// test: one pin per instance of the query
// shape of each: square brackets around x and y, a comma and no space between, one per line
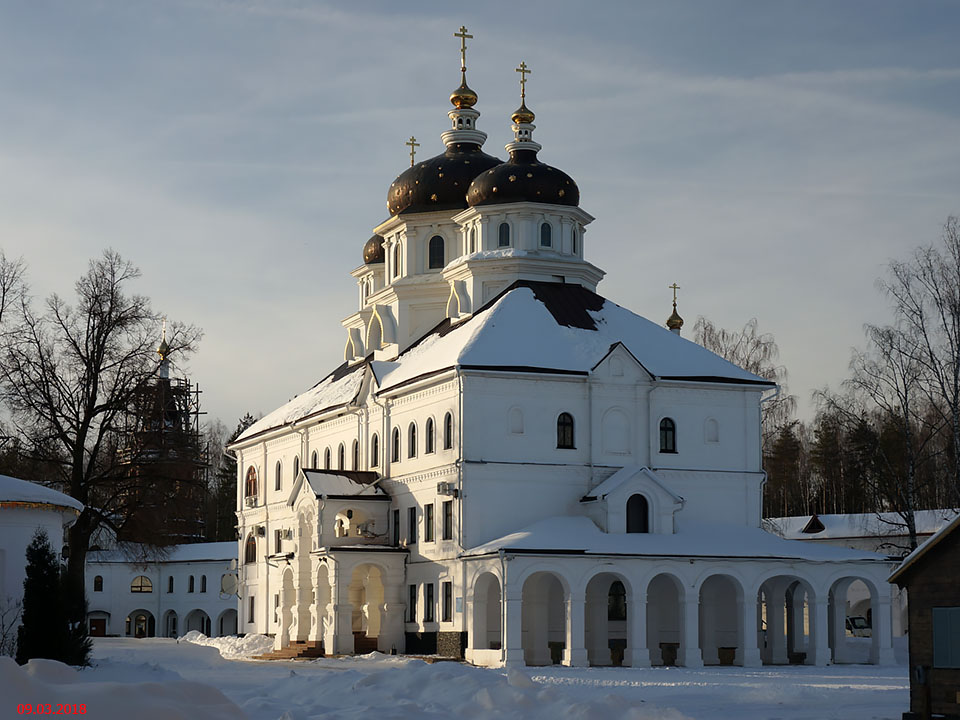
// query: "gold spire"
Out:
[413,144]
[523,114]
[163,349]
[463,96]
[675,322]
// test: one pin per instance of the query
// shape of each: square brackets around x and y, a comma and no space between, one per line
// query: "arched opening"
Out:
[277,475]
[141,624]
[203,583]
[352,522]
[668,436]
[503,235]
[850,622]
[429,437]
[412,440]
[170,624]
[190,584]
[638,514]
[250,550]
[711,431]
[341,457]
[296,465]
[355,456]
[565,431]
[396,261]
[375,333]
[250,487]
[198,620]
[326,459]
[546,235]
[665,620]
[721,641]
[544,619]
[436,255]
[98,583]
[786,621]
[141,584]
[447,431]
[227,623]
[605,620]
[366,594]
[313,460]
[375,451]
[487,613]
[395,446]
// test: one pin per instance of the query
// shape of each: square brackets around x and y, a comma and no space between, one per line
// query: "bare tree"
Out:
[68,375]
[925,291]
[758,353]
[12,286]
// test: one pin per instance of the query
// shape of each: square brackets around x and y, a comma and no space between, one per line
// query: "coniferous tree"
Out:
[46,631]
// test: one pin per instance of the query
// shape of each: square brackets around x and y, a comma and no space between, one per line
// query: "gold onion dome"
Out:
[675,322]
[163,349]
[523,114]
[463,97]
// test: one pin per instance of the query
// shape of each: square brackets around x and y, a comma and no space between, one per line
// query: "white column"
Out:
[881,649]
[776,630]
[575,651]
[513,630]
[391,614]
[637,654]
[596,609]
[689,653]
[818,650]
[748,654]
[837,623]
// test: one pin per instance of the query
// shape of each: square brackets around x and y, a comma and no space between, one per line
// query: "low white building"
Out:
[883,533]
[166,598]
[26,507]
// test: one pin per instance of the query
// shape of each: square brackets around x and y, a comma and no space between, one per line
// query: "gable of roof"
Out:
[910,561]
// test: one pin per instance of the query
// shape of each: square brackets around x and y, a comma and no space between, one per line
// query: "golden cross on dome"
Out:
[524,71]
[674,287]
[413,144]
[463,46]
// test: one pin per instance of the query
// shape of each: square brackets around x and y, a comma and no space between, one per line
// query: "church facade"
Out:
[509,468]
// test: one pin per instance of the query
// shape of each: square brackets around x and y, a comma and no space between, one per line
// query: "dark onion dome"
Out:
[523,178]
[373,251]
[441,182]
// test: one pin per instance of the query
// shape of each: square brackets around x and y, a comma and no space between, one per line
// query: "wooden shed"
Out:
[931,577]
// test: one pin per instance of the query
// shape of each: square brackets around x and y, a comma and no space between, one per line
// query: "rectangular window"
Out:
[428,604]
[946,637]
[170,584]
[277,540]
[447,608]
[396,527]
[448,519]
[250,610]
[412,526]
[428,523]
[412,604]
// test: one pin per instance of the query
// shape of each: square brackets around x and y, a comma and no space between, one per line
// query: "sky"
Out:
[769,157]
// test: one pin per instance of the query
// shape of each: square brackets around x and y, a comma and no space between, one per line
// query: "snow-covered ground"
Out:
[160,679]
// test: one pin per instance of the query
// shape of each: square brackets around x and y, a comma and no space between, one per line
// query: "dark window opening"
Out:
[436,253]
[668,436]
[638,514]
[565,431]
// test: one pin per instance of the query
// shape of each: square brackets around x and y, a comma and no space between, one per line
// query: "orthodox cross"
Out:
[524,71]
[674,287]
[413,144]
[463,46]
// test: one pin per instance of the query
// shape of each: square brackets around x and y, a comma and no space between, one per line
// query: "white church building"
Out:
[509,468]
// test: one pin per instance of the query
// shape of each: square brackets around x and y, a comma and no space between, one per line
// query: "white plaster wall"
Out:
[17,527]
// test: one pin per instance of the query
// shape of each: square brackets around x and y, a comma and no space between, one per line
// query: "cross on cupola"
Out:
[524,71]
[463,117]
[413,145]
[462,34]
[674,322]
[523,116]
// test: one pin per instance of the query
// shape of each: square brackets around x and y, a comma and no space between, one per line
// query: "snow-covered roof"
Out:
[624,474]
[581,535]
[333,483]
[15,490]
[191,552]
[534,326]
[859,525]
[926,547]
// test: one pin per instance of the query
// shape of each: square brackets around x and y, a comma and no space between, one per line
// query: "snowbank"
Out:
[231,646]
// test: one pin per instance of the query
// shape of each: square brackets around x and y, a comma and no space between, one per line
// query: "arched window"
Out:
[516,421]
[668,436]
[341,457]
[412,440]
[296,466]
[141,584]
[429,437]
[447,431]
[396,260]
[375,451]
[98,583]
[276,481]
[638,514]
[313,460]
[190,584]
[326,459]
[503,235]
[203,583]
[565,431]
[250,550]
[546,235]
[574,241]
[711,431]
[251,484]
[470,240]
[395,446]
[436,253]
[617,602]
[355,459]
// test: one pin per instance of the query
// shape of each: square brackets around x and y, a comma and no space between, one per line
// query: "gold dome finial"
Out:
[163,349]
[463,96]
[523,114]
[675,322]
